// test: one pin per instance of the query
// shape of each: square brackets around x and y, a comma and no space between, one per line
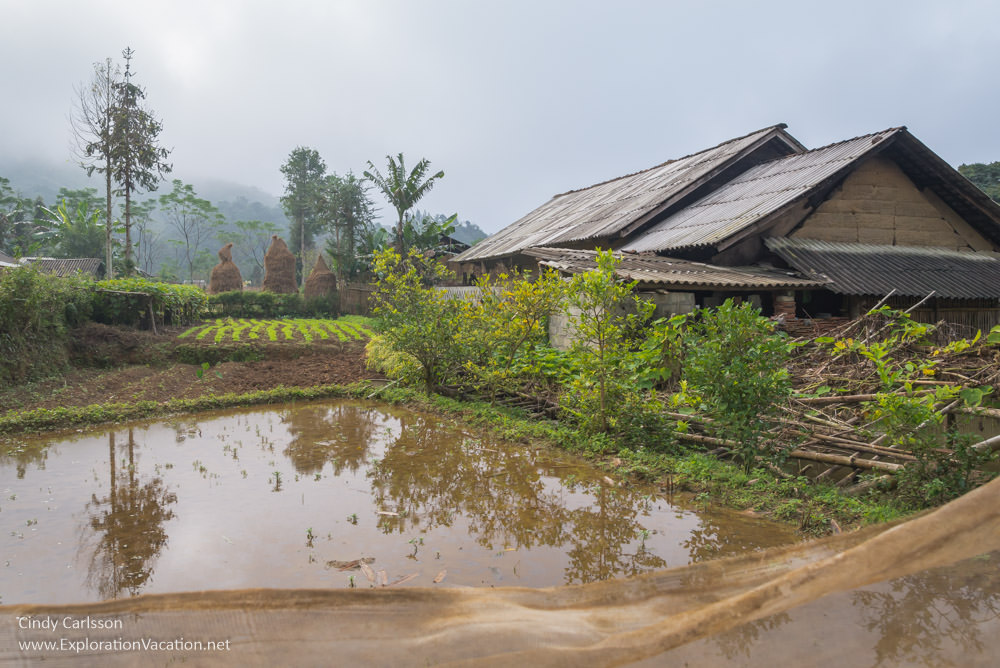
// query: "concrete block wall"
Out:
[562,334]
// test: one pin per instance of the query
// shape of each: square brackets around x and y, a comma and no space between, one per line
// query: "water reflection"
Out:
[939,617]
[129,525]
[738,643]
[508,502]
[266,498]
[914,615]
[23,457]
[339,435]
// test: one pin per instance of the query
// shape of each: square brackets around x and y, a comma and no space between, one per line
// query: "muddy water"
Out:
[947,616]
[329,495]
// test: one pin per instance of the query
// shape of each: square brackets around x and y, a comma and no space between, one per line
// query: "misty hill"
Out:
[32,179]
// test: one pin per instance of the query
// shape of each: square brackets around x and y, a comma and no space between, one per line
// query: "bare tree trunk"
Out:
[108,271]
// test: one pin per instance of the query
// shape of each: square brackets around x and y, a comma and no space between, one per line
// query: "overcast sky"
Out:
[515,101]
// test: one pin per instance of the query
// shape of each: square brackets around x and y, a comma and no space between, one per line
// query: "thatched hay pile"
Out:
[279,268]
[225,275]
[321,282]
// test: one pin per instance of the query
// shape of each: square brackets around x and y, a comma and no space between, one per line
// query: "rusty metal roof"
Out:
[667,272]
[869,269]
[607,208]
[758,192]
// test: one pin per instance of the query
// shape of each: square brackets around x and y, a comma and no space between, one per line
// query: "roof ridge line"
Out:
[893,130]
[777,126]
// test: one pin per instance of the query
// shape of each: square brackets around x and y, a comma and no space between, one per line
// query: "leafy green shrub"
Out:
[124,301]
[736,364]
[383,357]
[36,311]
[260,304]
[417,319]
[508,319]
[605,312]
[946,465]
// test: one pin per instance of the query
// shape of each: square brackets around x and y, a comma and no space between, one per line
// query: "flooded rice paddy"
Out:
[329,495]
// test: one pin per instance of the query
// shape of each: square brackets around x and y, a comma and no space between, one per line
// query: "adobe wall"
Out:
[879,204]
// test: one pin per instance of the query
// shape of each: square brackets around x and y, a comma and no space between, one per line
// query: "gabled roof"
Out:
[608,209]
[869,269]
[666,271]
[763,192]
[755,194]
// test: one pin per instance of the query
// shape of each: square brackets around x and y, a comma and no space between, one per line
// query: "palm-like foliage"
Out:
[401,188]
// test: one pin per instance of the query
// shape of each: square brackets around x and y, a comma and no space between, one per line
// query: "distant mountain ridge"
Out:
[32,179]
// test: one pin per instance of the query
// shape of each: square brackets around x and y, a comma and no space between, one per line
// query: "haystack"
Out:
[225,275]
[321,282]
[279,268]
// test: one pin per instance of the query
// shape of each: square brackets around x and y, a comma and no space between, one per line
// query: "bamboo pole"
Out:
[991,444]
[841,460]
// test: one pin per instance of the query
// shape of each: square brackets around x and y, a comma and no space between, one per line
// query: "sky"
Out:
[516,101]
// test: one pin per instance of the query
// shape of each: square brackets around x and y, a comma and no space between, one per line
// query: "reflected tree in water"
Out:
[24,456]
[739,642]
[914,615]
[431,473]
[129,525]
[600,534]
[340,435]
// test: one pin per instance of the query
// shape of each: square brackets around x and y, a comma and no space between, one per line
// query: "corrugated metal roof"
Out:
[603,209]
[665,271]
[758,192]
[65,267]
[869,269]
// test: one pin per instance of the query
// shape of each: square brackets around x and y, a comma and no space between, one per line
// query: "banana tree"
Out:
[402,189]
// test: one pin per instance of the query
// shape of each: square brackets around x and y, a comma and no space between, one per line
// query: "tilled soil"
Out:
[159,379]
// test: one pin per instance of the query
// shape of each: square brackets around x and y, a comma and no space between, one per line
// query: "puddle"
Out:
[947,616]
[329,495]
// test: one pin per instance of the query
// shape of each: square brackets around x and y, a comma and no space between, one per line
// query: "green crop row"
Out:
[301,330]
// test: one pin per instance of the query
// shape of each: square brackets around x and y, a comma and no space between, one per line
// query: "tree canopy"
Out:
[303,171]
[402,189]
[986,176]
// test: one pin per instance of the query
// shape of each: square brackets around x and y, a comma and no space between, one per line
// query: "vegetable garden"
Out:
[302,330]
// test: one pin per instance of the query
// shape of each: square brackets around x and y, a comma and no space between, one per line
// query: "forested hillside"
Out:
[987,177]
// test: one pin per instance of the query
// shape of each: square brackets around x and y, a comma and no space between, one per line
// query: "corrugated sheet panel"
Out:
[755,194]
[605,208]
[665,271]
[869,269]
[61,267]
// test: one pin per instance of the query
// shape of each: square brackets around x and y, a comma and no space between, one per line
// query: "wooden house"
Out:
[852,222]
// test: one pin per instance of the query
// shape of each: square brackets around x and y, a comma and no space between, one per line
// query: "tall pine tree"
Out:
[138,162]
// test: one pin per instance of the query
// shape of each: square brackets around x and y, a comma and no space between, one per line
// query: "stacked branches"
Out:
[876,398]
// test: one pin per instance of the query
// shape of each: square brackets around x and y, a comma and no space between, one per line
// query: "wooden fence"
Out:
[355,298]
